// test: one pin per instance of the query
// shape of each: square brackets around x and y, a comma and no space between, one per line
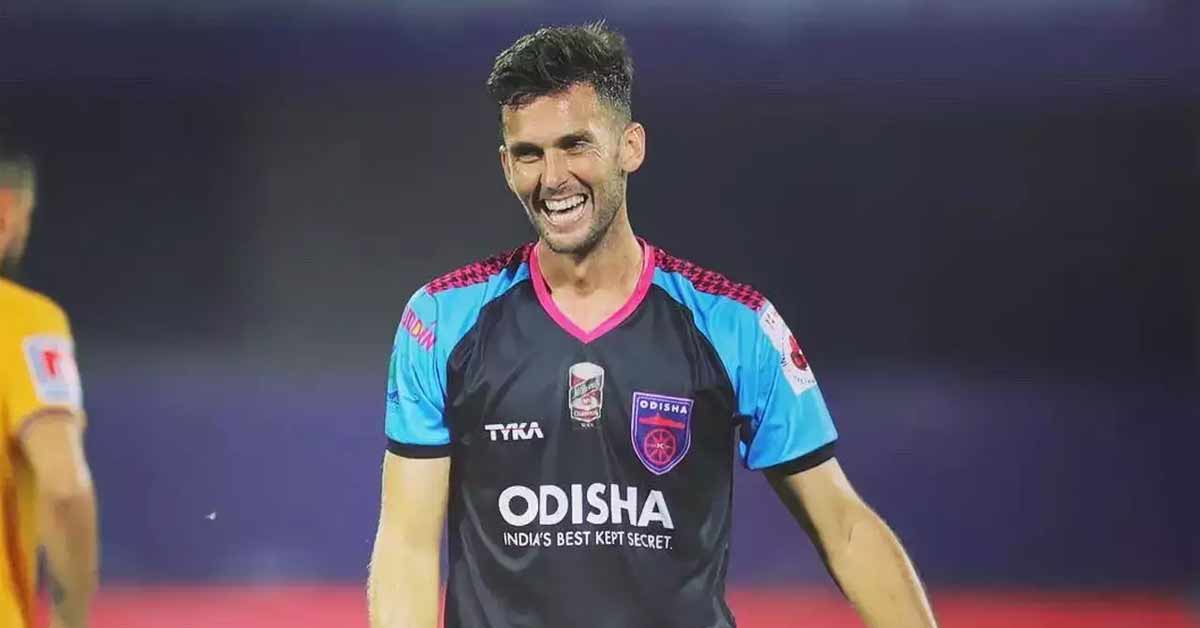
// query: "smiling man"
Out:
[571,405]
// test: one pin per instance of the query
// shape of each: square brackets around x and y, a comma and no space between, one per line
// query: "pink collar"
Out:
[551,308]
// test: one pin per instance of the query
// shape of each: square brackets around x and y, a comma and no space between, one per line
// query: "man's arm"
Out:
[405,565]
[860,551]
[53,444]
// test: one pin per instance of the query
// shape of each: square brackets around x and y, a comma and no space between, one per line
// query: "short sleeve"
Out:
[788,426]
[415,417]
[39,369]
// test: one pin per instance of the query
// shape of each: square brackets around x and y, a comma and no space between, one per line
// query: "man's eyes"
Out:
[533,156]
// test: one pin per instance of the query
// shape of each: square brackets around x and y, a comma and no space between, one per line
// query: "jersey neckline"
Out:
[566,324]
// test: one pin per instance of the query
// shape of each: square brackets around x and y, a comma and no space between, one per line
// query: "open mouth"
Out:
[562,212]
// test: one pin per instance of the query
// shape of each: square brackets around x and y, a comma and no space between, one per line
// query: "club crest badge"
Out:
[585,393]
[661,428]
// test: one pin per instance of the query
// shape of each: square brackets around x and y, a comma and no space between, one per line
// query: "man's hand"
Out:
[862,554]
[53,444]
[405,564]
[58,622]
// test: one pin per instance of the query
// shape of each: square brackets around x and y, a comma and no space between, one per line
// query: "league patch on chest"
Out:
[661,428]
[585,393]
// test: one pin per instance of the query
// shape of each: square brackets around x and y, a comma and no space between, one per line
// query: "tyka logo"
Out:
[514,431]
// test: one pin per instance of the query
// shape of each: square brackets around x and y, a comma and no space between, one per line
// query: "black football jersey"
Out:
[591,471]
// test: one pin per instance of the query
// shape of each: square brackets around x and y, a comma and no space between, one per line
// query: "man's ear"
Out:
[633,147]
[9,198]
[506,168]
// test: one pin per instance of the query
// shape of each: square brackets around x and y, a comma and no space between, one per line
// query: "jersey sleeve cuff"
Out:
[57,412]
[805,462]
[407,450]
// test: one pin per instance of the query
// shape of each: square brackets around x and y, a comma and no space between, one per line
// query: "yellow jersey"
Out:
[37,375]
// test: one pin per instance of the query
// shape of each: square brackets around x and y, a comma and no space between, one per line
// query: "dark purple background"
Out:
[981,225]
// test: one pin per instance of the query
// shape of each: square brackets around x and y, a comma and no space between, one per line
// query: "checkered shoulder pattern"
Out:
[709,281]
[480,271]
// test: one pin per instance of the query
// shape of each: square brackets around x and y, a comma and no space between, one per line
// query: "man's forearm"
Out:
[72,556]
[403,587]
[874,572]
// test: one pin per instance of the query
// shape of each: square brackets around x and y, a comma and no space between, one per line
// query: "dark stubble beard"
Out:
[10,266]
[606,201]
[10,259]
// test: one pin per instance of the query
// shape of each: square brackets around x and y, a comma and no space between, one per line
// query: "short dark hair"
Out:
[553,59]
[17,169]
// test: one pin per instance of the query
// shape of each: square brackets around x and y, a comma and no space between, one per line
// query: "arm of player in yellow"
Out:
[859,549]
[53,443]
[403,587]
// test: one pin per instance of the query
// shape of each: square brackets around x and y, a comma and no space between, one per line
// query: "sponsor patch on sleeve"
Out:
[791,359]
[52,370]
[421,333]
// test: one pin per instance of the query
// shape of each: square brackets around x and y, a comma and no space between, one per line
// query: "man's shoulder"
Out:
[684,278]
[480,271]
[28,310]
[468,288]
[446,308]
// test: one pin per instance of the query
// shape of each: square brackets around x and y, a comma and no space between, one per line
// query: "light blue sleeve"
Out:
[786,420]
[415,417]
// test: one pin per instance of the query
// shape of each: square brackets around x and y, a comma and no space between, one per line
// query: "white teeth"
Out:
[565,203]
[564,213]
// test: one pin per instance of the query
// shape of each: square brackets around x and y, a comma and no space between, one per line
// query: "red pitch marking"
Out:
[339,606]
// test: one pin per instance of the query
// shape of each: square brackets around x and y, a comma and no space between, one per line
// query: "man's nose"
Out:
[556,174]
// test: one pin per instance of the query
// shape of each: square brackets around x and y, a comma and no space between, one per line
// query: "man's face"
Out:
[566,158]
[16,209]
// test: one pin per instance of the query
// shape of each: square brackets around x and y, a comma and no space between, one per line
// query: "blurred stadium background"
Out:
[981,219]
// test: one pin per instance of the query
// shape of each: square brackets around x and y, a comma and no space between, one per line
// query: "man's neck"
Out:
[615,264]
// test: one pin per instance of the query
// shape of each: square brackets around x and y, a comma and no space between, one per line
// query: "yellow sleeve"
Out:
[38,368]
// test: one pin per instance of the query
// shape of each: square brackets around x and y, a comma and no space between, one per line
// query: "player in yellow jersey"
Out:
[45,486]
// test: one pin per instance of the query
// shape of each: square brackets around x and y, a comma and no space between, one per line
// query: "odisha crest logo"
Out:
[659,445]
[661,428]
